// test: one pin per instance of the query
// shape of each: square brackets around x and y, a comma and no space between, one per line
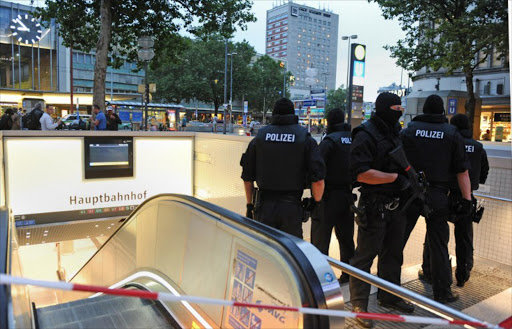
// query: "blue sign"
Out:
[124,116]
[452,106]
[358,69]
[136,116]
[309,103]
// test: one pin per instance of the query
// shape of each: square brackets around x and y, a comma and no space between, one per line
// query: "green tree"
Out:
[267,84]
[336,98]
[108,25]
[455,35]
[198,72]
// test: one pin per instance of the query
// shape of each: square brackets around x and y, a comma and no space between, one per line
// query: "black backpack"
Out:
[6,122]
[33,119]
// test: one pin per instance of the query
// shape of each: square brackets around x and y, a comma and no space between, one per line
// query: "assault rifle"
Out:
[417,180]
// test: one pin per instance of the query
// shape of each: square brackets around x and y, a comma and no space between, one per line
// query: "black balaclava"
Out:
[382,108]
[283,106]
[433,105]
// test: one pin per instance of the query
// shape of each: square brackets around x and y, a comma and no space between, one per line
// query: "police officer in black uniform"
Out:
[436,148]
[282,158]
[334,211]
[380,221]
[464,225]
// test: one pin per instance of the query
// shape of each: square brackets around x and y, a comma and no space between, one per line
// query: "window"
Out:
[328,23]
[88,59]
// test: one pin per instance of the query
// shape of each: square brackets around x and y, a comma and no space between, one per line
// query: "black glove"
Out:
[464,208]
[401,183]
[249,213]
[309,204]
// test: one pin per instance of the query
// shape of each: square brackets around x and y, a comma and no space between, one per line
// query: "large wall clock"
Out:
[26,28]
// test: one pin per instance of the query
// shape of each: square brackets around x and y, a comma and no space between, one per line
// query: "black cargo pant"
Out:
[334,212]
[436,261]
[383,236]
[281,211]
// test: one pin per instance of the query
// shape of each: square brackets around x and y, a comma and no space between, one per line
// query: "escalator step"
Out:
[145,317]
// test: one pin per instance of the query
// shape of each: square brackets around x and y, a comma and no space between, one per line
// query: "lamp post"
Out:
[325,74]
[231,93]
[145,54]
[349,110]
[283,65]
[225,84]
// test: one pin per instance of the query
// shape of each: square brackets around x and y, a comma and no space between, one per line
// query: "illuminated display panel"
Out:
[108,157]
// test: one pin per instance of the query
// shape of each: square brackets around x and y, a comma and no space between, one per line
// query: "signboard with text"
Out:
[452,106]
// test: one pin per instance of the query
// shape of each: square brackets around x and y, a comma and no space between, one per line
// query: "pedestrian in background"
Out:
[46,119]
[100,123]
[113,120]
[334,211]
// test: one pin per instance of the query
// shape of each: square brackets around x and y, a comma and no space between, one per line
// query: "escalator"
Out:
[184,246]
[105,312]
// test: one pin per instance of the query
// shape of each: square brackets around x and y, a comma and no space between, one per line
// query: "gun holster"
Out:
[479,211]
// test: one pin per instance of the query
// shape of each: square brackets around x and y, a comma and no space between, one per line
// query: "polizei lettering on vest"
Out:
[434,134]
[470,149]
[346,140]
[287,138]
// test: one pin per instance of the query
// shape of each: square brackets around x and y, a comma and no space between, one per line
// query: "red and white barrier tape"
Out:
[167,297]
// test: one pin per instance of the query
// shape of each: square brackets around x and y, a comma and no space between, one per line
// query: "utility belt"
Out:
[446,190]
[281,196]
[374,203]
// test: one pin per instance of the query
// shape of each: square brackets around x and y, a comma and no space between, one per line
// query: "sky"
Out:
[355,17]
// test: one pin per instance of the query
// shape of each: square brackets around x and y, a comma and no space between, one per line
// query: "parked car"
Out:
[125,126]
[69,118]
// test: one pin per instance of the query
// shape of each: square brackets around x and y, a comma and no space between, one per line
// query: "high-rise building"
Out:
[304,37]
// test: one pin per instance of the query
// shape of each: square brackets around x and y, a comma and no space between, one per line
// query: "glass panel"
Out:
[6,66]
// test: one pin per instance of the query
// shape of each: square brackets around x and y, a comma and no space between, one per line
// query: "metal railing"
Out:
[411,296]
[492,197]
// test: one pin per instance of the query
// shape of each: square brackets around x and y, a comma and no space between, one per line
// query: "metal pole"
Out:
[231,95]
[284,78]
[349,95]
[71,78]
[111,80]
[225,84]
[396,290]
[146,95]
[348,62]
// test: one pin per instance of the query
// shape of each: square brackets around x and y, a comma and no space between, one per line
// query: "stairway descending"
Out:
[105,312]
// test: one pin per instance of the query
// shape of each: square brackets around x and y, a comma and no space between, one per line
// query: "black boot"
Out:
[399,305]
[447,298]
[365,323]
[424,277]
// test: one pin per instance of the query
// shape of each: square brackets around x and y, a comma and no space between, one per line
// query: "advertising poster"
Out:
[258,278]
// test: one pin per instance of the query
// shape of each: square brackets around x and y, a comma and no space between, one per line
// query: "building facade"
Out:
[35,68]
[304,37]
[491,82]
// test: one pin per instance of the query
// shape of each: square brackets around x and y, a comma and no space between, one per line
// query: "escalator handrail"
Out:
[290,243]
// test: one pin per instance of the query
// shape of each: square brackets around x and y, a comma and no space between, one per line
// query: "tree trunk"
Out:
[470,101]
[100,67]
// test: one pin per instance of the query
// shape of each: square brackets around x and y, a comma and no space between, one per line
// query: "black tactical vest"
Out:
[338,165]
[429,148]
[474,150]
[280,156]
[384,141]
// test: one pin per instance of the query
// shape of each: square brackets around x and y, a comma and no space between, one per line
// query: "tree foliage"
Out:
[198,72]
[336,98]
[79,23]
[267,84]
[455,35]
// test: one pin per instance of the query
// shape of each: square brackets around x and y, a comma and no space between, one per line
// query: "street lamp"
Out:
[349,110]
[145,54]
[348,37]
[231,94]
